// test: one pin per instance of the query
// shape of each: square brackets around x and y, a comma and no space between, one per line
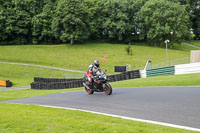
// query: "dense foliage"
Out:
[162,20]
[74,21]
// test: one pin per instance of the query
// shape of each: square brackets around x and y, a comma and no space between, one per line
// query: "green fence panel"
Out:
[162,71]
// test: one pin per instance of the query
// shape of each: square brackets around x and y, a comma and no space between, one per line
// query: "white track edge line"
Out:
[128,118]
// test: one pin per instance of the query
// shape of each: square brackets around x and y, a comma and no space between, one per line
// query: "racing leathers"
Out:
[92,70]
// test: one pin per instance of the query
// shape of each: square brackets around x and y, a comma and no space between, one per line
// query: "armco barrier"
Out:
[143,73]
[172,70]
[187,68]
[163,71]
[51,83]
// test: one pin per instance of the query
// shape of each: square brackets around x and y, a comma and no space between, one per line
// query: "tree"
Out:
[70,22]
[15,23]
[162,20]
[133,30]
[115,22]
[193,8]
[41,23]
[15,17]
[96,18]
[196,18]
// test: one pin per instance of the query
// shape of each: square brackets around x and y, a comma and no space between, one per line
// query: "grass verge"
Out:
[172,80]
[31,119]
[23,93]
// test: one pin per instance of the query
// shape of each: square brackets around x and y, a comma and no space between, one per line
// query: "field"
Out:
[30,118]
[23,75]
[77,57]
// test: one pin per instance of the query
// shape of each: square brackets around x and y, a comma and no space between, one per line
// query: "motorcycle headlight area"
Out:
[104,76]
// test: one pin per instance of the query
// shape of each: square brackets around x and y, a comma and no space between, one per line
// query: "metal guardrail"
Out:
[187,68]
[161,71]
[172,70]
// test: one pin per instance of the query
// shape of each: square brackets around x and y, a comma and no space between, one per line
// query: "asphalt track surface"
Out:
[174,105]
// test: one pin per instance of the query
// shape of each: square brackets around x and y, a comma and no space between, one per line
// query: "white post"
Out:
[166,41]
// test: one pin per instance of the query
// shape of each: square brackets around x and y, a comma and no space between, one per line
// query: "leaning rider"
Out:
[92,70]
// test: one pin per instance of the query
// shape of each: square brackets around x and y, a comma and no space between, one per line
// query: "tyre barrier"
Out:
[124,76]
[50,80]
[5,83]
[51,83]
[57,85]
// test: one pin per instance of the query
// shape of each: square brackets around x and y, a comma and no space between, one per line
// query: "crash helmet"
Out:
[96,63]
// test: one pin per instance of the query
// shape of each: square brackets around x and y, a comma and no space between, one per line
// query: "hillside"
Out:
[78,57]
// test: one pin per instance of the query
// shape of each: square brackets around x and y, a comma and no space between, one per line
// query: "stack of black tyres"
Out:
[8,83]
[51,83]
[124,76]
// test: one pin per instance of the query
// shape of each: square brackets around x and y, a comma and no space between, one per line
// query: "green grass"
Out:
[23,75]
[24,93]
[195,42]
[78,57]
[173,80]
[31,119]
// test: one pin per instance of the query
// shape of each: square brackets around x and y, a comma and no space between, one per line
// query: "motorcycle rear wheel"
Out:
[89,91]
[108,89]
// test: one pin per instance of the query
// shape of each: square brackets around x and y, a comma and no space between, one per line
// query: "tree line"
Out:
[77,21]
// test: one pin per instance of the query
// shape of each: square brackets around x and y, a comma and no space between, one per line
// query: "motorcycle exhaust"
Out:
[86,86]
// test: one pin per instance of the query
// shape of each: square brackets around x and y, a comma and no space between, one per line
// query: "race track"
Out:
[175,105]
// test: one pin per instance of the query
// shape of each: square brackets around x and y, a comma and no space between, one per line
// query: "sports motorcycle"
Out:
[100,84]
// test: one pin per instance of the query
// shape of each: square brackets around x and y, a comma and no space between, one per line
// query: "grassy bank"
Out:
[78,57]
[32,119]
[195,42]
[23,75]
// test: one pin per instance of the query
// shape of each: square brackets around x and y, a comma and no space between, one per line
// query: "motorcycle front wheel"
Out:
[89,91]
[108,89]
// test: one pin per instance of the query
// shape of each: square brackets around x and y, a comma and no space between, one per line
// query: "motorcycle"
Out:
[100,84]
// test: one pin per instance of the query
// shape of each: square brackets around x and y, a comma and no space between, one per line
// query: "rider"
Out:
[92,70]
